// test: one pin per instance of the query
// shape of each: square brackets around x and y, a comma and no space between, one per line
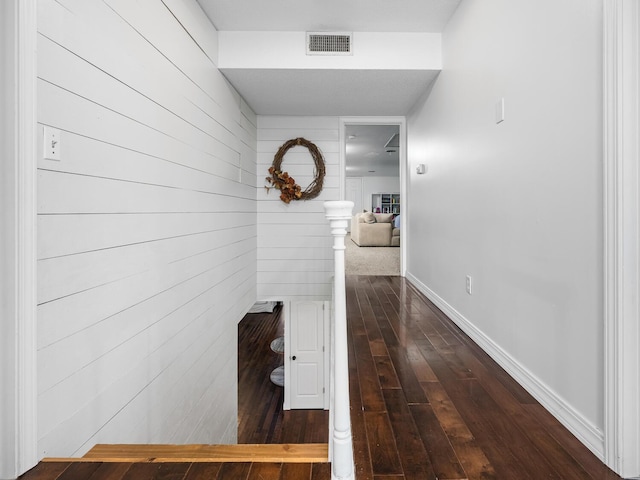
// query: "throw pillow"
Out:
[384,217]
[369,217]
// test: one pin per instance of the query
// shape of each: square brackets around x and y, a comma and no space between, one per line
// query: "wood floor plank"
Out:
[456,365]
[79,471]
[377,343]
[156,471]
[372,400]
[448,331]
[413,456]
[295,471]
[470,455]
[444,370]
[321,471]
[386,373]
[111,471]
[382,446]
[406,375]
[467,448]
[46,471]
[354,315]
[235,471]
[442,455]
[407,332]
[265,471]
[426,326]
[418,363]
[309,453]
[361,456]
[203,471]
[384,326]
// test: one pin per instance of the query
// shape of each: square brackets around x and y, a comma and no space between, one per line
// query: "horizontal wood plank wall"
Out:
[295,258]
[147,233]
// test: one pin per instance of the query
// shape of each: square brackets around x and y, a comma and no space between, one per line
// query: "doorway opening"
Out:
[373,160]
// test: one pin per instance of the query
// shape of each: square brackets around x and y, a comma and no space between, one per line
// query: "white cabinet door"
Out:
[305,357]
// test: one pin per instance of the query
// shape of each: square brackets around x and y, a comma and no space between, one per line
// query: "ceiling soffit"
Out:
[386,74]
[396,54]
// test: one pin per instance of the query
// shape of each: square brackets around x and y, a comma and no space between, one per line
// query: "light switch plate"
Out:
[500,111]
[51,144]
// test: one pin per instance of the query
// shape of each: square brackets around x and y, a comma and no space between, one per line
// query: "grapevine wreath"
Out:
[289,189]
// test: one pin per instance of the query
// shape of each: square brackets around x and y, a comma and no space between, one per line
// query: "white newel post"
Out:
[339,213]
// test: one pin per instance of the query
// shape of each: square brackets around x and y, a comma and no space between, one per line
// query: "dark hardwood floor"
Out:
[260,415]
[426,403]
[178,471]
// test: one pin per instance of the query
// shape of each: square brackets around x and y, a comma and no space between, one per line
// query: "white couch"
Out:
[374,230]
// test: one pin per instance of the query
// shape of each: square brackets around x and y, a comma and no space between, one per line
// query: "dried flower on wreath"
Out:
[289,189]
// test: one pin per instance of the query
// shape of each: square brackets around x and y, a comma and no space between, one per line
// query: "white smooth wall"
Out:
[295,255]
[371,50]
[371,185]
[518,205]
[146,227]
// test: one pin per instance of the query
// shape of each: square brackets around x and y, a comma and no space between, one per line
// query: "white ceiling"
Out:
[335,92]
[330,15]
[367,154]
[330,92]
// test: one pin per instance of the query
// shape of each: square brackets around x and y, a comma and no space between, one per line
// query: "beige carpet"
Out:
[371,260]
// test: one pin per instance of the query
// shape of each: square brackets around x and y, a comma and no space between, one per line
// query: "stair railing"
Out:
[341,445]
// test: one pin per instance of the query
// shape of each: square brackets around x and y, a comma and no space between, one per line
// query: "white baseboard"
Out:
[584,430]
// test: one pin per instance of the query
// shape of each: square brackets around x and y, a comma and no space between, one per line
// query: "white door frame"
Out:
[18,394]
[361,200]
[621,140]
[402,125]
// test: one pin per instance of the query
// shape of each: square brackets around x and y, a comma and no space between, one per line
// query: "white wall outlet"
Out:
[469,285]
[51,144]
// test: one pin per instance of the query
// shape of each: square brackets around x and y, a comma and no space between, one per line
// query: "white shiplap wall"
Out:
[146,229]
[295,258]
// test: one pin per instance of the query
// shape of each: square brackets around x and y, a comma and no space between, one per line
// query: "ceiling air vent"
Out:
[329,43]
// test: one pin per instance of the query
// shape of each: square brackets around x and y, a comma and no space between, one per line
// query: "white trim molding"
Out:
[583,429]
[27,237]
[18,450]
[621,67]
